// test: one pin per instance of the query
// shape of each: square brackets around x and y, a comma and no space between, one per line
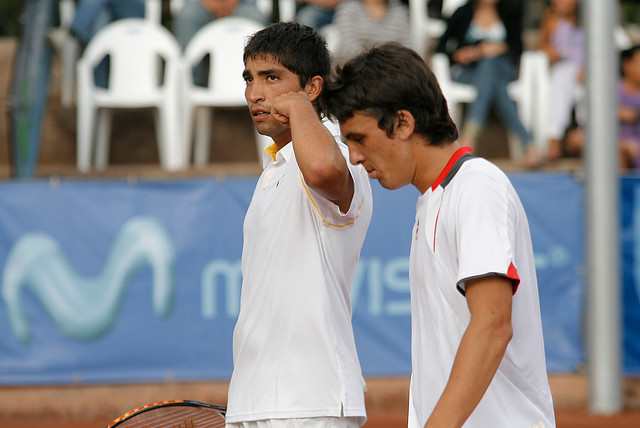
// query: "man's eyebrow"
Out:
[270,72]
[351,135]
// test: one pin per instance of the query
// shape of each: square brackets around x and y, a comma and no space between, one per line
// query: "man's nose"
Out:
[254,93]
[355,155]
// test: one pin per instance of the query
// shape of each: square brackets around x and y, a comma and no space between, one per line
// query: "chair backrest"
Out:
[223,40]
[423,27]
[153,10]
[136,48]
[450,6]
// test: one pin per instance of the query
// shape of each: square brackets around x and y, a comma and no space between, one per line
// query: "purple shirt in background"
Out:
[628,99]
[568,40]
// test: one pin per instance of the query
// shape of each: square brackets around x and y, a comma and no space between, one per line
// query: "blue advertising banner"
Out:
[630,240]
[554,204]
[120,282]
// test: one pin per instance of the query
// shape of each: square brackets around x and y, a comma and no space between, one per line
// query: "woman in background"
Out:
[561,39]
[483,40]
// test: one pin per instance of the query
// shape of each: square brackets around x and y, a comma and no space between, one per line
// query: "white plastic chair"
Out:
[153,10]
[425,28]
[71,48]
[136,49]
[223,40]
[529,91]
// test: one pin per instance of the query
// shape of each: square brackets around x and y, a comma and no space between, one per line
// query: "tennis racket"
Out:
[173,414]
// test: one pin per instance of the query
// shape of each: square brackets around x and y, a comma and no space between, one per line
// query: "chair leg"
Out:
[159,128]
[187,132]
[103,138]
[69,56]
[202,137]
[86,118]
[170,143]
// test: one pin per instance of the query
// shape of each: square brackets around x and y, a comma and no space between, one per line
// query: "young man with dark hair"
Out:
[477,349]
[294,354]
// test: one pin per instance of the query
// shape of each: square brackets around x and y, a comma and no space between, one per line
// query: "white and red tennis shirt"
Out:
[471,224]
[294,352]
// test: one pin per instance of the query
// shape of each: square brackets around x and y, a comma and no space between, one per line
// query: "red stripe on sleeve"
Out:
[512,274]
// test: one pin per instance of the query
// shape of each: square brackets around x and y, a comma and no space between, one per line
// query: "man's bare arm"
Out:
[480,352]
[322,164]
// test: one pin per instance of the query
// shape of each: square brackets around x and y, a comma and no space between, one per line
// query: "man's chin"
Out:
[389,186]
[263,129]
[269,130]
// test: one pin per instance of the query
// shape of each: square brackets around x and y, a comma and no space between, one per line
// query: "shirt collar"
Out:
[452,167]
[272,152]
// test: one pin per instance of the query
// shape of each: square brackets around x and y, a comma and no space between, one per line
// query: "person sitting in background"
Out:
[195,14]
[483,40]
[90,17]
[561,38]
[361,23]
[316,13]
[629,108]
[628,114]
[93,15]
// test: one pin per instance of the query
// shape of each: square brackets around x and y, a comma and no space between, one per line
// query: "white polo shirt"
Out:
[294,352]
[471,224]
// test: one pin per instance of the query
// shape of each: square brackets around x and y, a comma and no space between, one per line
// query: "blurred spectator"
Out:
[90,17]
[628,113]
[195,14]
[93,15]
[483,40]
[316,13]
[629,107]
[561,38]
[362,23]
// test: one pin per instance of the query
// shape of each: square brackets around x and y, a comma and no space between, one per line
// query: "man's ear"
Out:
[405,124]
[314,87]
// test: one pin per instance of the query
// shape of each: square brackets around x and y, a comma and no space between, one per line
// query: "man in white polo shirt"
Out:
[294,354]
[477,349]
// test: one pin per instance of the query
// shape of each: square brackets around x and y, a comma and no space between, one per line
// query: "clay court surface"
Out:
[95,406]
[565,419]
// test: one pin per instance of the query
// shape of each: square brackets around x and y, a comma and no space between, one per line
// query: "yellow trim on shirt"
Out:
[317,209]
[272,150]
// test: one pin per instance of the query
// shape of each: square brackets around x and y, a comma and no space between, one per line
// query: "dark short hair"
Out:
[297,47]
[626,55]
[384,80]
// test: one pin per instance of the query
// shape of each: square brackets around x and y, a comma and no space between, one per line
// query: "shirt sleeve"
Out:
[329,212]
[485,230]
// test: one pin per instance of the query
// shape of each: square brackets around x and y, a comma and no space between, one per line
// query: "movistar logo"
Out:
[85,308]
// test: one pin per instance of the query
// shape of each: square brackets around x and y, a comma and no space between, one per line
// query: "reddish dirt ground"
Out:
[564,419]
[386,401]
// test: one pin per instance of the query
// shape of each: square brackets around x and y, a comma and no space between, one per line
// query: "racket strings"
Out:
[175,417]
